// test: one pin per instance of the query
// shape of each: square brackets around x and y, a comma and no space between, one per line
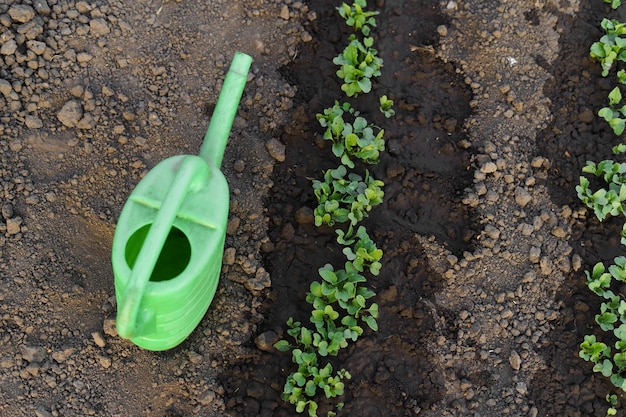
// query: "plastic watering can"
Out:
[169,240]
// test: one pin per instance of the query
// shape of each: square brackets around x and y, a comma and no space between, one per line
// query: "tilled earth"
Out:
[482,294]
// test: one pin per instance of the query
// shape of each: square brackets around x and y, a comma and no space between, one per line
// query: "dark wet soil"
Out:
[425,171]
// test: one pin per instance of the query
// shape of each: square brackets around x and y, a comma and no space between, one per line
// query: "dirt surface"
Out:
[482,294]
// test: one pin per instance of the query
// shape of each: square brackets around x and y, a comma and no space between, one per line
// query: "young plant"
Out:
[341,288]
[612,400]
[354,138]
[357,18]
[386,107]
[614,3]
[611,47]
[359,63]
[604,201]
[334,328]
[612,318]
[342,199]
[301,386]
[613,112]
[364,253]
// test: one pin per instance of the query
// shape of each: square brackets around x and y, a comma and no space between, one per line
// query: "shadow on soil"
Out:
[576,135]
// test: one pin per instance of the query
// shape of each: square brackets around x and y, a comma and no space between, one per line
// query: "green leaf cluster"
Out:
[611,47]
[340,307]
[357,18]
[614,3]
[352,138]
[610,362]
[364,253]
[345,199]
[386,107]
[604,201]
[613,112]
[358,62]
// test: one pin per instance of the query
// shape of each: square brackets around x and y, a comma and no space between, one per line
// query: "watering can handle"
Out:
[191,173]
[216,137]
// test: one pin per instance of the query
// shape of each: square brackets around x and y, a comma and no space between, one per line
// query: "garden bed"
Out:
[482,293]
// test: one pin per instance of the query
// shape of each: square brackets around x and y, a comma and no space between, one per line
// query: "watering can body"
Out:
[186,274]
[169,241]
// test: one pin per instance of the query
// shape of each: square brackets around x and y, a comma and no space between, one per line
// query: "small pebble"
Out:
[276,149]
[515,361]
[265,341]
[522,197]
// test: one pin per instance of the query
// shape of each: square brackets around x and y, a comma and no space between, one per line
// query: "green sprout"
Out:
[342,199]
[359,63]
[611,47]
[613,112]
[614,3]
[386,107]
[356,17]
[612,400]
[604,201]
[364,254]
[354,138]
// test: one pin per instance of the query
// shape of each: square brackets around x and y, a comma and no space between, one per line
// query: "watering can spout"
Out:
[216,137]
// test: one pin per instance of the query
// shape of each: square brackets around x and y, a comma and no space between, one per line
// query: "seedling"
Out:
[359,62]
[364,254]
[611,46]
[603,201]
[612,113]
[386,107]
[340,299]
[614,3]
[357,18]
[354,138]
[342,199]
[612,400]
[333,330]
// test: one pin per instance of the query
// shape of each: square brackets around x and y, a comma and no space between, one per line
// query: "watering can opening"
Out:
[172,260]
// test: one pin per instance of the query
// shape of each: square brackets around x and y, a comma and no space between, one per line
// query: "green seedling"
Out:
[612,318]
[342,199]
[357,18]
[359,63]
[613,112]
[612,400]
[340,300]
[614,3]
[333,330]
[301,386]
[364,254]
[611,47]
[386,107]
[618,149]
[354,138]
[604,201]
[342,288]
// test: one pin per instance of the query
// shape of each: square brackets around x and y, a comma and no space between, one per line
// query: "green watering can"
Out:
[169,241]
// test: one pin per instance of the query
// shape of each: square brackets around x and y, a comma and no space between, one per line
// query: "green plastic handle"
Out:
[216,137]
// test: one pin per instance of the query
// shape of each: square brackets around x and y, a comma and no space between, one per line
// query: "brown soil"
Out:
[482,295]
